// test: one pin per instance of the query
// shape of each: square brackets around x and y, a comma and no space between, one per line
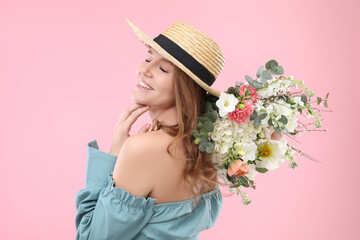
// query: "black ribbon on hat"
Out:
[186,59]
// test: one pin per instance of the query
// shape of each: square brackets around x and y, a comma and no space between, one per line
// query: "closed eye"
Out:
[160,67]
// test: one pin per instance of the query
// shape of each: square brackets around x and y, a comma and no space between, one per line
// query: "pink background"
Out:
[66,72]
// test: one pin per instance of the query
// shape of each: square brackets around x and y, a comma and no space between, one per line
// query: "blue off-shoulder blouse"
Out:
[108,212]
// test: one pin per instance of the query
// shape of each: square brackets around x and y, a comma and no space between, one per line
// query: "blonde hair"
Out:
[190,99]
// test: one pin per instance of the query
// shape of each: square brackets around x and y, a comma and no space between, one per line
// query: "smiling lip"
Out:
[142,80]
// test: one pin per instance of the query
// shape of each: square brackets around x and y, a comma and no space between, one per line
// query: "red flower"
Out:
[242,115]
[254,96]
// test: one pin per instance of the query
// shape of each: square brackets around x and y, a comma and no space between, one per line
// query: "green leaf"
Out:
[201,119]
[253,115]
[243,181]
[277,129]
[279,70]
[204,134]
[303,99]
[326,104]
[232,179]
[212,116]
[261,170]
[207,107]
[262,116]
[257,84]
[209,147]
[235,185]
[257,122]
[283,119]
[209,126]
[200,125]
[195,133]
[318,100]
[271,64]
[327,95]
[249,79]
[266,75]
[231,90]
[270,122]
[259,71]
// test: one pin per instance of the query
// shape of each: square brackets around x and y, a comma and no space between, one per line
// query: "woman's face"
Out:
[157,73]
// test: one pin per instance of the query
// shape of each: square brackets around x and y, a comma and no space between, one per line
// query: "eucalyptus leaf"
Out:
[257,84]
[259,71]
[257,122]
[204,134]
[271,64]
[277,129]
[266,75]
[249,79]
[262,116]
[253,115]
[261,170]
[235,185]
[207,107]
[270,122]
[264,82]
[195,133]
[303,99]
[243,181]
[283,119]
[203,144]
[232,179]
[279,70]
[209,126]
[209,147]
[211,115]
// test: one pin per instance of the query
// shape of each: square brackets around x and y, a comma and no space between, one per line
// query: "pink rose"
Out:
[242,116]
[239,168]
[254,96]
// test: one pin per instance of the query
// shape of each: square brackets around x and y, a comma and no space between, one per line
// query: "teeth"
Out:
[145,86]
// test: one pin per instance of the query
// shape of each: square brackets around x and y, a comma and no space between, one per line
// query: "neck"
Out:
[167,116]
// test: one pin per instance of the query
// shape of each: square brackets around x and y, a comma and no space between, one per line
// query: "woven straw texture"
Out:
[200,46]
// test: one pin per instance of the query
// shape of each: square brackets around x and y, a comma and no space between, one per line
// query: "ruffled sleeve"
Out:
[103,210]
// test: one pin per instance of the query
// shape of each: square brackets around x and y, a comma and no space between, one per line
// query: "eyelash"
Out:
[160,67]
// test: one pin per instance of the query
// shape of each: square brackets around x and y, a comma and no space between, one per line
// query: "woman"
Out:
[156,184]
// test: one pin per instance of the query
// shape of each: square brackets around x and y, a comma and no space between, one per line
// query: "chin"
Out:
[138,98]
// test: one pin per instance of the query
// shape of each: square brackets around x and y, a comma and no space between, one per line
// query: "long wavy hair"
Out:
[190,99]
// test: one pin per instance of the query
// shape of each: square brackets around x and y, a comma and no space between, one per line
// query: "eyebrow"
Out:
[149,51]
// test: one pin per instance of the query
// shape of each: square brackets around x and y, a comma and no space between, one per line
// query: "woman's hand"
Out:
[127,118]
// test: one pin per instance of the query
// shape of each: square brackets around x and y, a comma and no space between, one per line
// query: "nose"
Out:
[146,69]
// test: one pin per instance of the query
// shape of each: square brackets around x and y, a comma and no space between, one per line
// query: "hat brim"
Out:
[150,43]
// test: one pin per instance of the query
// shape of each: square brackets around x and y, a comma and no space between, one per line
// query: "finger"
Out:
[128,110]
[144,129]
[133,117]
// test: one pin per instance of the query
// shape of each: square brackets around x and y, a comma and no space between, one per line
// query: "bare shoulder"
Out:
[137,166]
[155,142]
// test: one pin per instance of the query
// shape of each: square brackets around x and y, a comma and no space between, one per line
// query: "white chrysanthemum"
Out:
[223,139]
[273,153]
[246,132]
[226,103]
[252,172]
[249,150]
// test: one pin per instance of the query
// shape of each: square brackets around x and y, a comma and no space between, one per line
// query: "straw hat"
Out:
[189,49]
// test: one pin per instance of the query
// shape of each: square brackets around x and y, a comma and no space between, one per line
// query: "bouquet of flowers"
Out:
[244,128]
